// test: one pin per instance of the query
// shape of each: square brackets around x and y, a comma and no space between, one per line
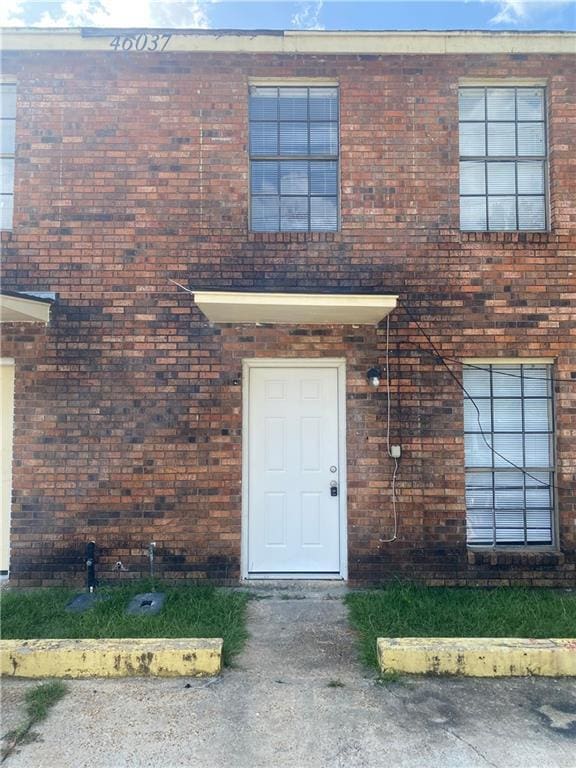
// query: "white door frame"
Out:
[296,362]
[7,401]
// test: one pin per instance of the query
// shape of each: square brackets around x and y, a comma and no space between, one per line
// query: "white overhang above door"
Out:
[301,308]
[25,307]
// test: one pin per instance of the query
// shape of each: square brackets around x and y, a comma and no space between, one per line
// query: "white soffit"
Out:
[300,308]
[16,309]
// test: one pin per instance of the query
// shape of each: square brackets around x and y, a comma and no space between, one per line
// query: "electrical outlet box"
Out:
[395,451]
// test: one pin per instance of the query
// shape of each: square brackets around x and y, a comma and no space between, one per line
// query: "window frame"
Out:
[516,159]
[493,470]
[279,158]
[9,226]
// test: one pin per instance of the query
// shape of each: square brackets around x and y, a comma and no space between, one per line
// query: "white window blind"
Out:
[502,159]
[508,421]
[7,152]
[294,158]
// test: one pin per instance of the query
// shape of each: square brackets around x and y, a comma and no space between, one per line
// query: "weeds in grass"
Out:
[189,611]
[388,676]
[39,701]
[407,610]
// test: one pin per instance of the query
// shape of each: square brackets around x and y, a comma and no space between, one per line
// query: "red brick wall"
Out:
[133,169]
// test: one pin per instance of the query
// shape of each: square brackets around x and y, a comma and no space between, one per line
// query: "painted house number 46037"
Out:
[141,42]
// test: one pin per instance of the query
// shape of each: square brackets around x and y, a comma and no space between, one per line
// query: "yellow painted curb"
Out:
[142,657]
[478,656]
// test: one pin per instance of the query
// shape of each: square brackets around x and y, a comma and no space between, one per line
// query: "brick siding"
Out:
[132,170]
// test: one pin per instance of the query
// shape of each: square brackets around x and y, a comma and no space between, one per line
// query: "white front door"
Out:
[294,475]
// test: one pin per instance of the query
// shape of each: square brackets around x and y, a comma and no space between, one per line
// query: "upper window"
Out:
[7,151]
[502,159]
[509,454]
[294,159]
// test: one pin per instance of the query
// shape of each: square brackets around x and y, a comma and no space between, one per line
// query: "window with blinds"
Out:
[293,159]
[510,409]
[7,152]
[502,159]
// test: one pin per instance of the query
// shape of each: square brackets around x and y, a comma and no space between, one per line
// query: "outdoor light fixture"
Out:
[374,375]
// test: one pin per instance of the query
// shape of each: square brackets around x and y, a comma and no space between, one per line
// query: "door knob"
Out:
[333,488]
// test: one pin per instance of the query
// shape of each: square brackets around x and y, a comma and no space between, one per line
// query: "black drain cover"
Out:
[146,604]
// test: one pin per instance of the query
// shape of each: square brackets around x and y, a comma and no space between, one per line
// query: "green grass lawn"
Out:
[187,612]
[411,611]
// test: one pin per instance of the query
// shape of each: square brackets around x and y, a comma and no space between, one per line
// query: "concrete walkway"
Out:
[298,698]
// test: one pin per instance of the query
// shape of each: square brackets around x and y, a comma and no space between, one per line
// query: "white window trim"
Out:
[10,80]
[486,82]
[305,82]
[280,82]
[508,361]
[512,82]
[523,549]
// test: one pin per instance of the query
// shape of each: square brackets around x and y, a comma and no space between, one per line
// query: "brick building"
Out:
[289,304]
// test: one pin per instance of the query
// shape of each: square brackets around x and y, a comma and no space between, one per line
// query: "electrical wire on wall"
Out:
[388,446]
[434,352]
[442,361]
[435,308]
[555,379]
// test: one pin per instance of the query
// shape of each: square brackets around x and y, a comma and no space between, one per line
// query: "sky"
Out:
[514,15]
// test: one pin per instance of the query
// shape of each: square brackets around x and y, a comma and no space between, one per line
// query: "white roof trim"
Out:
[293,41]
[294,308]
[14,309]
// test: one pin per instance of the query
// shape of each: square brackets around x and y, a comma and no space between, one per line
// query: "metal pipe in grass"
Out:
[151,549]
[90,560]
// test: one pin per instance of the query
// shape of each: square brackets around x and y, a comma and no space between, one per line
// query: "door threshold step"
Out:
[302,588]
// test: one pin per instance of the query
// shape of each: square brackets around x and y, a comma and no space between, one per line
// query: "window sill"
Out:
[522,555]
[507,237]
[507,549]
[294,237]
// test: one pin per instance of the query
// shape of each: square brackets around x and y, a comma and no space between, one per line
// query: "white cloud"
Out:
[109,13]
[521,12]
[308,16]
[511,12]
[12,13]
